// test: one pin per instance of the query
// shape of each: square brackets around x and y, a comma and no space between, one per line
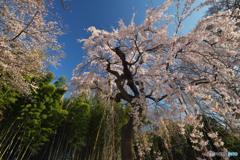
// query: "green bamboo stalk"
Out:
[19,144]
[25,151]
[51,147]
[13,148]
[5,135]
[9,145]
[59,144]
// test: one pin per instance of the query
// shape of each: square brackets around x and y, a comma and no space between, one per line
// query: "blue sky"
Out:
[103,14]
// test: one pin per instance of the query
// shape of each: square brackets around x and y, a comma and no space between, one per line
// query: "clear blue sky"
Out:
[103,14]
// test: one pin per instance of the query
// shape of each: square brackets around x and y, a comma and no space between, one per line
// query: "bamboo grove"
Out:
[43,125]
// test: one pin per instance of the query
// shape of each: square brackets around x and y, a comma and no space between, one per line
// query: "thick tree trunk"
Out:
[127,141]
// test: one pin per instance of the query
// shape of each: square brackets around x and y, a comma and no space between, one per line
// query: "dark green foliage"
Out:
[93,125]
[37,116]
[7,97]
[78,122]
[90,130]
[42,115]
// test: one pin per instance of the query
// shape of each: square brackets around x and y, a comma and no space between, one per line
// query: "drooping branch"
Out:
[115,73]
[139,54]
[157,99]
[26,27]
[200,81]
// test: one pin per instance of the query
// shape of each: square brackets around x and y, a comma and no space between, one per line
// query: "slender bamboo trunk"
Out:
[9,143]
[6,134]
[44,152]
[13,149]
[29,156]
[65,150]
[26,150]
[61,141]
[51,147]
[19,144]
